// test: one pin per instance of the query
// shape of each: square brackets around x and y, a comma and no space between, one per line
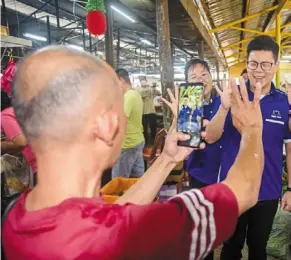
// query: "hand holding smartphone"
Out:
[190,113]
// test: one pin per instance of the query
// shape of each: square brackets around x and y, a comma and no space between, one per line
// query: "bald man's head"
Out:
[55,88]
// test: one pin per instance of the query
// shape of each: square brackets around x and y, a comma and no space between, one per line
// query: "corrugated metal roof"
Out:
[225,11]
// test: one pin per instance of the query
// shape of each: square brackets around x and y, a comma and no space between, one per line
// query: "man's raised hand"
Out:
[246,114]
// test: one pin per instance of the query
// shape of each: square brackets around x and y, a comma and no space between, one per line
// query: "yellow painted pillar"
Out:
[278,39]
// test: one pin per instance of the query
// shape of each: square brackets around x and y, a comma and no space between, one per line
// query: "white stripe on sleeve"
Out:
[212,226]
[196,219]
[194,200]
[204,223]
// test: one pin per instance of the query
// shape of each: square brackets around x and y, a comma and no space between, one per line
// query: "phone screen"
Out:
[190,112]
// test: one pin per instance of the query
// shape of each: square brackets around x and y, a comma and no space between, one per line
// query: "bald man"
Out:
[70,119]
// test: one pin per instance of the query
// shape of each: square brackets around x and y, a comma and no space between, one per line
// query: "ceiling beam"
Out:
[286,43]
[153,28]
[235,62]
[275,13]
[246,18]
[249,30]
[235,54]
[283,35]
[194,14]
[235,44]
[208,14]
[245,12]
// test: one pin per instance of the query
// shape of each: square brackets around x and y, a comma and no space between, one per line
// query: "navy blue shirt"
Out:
[274,107]
[203,165]
[184,113]
[196,112]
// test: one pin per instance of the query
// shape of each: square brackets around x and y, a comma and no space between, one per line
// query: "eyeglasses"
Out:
[265,66]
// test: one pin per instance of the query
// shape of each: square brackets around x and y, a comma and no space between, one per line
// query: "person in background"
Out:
[202,165]
[5,100]
[256,224]
[156,92]
[149,113]
[244,74]
[65,208]
[203,173]
[184,114]
[16,141]
[130,162]
[196,112]
[6,146]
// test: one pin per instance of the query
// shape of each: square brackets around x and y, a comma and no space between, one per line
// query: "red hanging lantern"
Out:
[96,19]
[96,22]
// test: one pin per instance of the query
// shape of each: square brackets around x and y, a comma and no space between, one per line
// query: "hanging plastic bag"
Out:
[7,77]
[17,174]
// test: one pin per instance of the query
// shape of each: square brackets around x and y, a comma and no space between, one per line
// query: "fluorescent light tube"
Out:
[146,41]
[122,13]
[35,37]
[285,61]
[286,57]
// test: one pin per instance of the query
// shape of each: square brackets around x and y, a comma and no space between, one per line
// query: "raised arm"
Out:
[214,129]
[244,177]
[195,222]
[188,226]
[146,189]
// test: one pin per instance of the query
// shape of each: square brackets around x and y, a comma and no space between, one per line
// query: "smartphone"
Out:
[190,112]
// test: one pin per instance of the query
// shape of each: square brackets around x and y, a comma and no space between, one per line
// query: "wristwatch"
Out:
[288,188]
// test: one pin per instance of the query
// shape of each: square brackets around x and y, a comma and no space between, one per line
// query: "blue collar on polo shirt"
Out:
[273,90]
[274,107]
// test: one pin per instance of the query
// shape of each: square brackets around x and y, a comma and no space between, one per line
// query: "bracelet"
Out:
[288,188]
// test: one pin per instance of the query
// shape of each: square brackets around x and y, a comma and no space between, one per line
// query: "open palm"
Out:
[225,93]
[246,114]
[173,105]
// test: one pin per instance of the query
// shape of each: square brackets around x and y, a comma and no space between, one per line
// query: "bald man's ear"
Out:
[107,127]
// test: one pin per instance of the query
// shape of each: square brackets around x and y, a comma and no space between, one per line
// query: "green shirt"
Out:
[133,107]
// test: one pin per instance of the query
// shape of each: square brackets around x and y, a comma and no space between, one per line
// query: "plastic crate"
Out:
[116,188]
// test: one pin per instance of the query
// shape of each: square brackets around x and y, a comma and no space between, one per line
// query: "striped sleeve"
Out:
[189,226]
